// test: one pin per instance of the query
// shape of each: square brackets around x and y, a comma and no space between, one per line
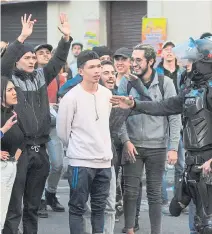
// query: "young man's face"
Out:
[91,71]
[108,76]
[27,62]
[139,62]
[43,56]
[122,64]
[167,54]
[76,50]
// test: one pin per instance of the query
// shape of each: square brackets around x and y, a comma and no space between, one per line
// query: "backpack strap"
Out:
[161,84]
[129,87]
[58,86]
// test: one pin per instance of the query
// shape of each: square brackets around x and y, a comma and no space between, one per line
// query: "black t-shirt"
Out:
[173,76]
[13,139]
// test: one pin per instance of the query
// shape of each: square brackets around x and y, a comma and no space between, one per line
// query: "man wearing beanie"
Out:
[88,143]
[103,52]
[34,119]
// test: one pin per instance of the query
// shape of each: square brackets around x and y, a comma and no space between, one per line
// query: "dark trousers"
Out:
[32,171]
[83,182]
[154,160]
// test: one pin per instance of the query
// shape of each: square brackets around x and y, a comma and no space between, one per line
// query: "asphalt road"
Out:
[57,223]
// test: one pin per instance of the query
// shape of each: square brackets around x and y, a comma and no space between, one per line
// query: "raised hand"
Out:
[122,102]
[207,167]
[10,122]
[65,26]
[27,27]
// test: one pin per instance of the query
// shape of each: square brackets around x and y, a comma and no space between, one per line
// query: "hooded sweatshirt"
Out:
[149,131]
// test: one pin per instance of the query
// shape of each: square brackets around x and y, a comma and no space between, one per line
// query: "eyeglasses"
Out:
[97,116]
[137,60]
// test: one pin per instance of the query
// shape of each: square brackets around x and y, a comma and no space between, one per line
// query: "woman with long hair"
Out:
[12,143]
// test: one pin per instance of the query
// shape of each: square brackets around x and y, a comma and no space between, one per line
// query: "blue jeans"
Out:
[192,212]
[164,187]
[56,154]
[179,167]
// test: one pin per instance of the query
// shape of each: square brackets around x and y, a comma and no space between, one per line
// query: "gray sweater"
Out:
[149,131]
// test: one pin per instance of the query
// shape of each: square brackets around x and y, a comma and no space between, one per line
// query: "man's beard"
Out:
[143,72]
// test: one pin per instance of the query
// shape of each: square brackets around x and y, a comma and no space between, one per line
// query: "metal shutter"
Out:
[11,21]
[125,23]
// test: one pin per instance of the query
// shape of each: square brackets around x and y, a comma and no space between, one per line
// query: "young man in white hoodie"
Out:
[83,127]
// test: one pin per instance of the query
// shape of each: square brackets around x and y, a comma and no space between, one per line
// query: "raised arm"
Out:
[59,59]
[10,56]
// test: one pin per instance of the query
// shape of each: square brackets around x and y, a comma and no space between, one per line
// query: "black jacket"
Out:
[33,105]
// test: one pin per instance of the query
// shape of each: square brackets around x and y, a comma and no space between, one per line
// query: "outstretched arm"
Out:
[170,106]
[10,57]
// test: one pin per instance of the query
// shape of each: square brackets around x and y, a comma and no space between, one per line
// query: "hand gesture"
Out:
[131,76]
[4,155]
[122,102]
[65,26]
[172,157]
[10,122]
[206,167]
[130,152]
[27,27]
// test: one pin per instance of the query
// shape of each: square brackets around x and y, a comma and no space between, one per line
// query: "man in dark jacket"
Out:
[33,113]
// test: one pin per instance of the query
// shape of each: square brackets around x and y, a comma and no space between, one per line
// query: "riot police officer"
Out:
[195,103]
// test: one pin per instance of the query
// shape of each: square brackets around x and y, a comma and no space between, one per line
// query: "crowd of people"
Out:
[113,115]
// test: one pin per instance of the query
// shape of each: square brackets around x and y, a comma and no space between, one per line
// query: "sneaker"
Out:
[53,202]
[165,210]
[136,227]
[117,219]
[186,210]
[119,211]
[42,212]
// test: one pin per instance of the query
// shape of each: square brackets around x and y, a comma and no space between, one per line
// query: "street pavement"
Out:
[58,223]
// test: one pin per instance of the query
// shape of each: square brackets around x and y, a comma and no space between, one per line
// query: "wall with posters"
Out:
[154,33]
[84,16]
[184,18]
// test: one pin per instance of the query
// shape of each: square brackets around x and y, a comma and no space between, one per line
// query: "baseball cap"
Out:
[168,43]
[43,46]
[124,52]
[77,43]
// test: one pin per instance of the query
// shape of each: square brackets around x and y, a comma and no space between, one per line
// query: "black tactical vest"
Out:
[197,131]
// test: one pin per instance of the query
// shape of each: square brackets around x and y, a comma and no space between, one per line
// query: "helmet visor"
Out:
[187,52]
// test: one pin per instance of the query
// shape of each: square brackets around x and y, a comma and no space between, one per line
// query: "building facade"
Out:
[112,23]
